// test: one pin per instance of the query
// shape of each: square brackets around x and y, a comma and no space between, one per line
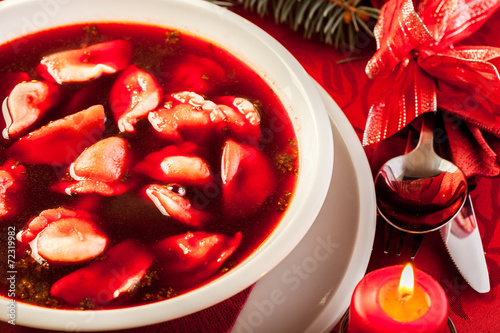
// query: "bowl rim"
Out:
[299,216]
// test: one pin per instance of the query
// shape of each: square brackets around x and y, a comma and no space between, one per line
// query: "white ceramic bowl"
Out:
[282,72]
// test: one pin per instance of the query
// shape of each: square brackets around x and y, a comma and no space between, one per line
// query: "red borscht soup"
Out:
[137,163]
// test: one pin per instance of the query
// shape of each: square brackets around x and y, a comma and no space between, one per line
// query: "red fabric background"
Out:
[354,92]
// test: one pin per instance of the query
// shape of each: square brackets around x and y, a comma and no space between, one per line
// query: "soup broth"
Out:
[141,166]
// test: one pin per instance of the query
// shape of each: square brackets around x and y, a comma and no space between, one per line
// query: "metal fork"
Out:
[393,235]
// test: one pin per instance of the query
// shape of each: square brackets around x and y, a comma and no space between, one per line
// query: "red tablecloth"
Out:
[347,83]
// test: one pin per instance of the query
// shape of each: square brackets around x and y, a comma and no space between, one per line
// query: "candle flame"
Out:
[406,283]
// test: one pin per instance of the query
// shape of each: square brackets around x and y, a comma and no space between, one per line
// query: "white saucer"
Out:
[310,290]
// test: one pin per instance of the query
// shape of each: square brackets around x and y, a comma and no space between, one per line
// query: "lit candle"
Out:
[395,300]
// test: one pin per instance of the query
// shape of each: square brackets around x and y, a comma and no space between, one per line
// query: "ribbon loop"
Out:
[415,56]
[398,31]
[404,100]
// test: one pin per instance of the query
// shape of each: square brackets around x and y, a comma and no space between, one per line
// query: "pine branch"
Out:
[334,21]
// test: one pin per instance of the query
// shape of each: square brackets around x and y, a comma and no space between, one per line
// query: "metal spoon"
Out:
[420,192]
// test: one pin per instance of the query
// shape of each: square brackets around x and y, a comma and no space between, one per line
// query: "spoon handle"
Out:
[427,132]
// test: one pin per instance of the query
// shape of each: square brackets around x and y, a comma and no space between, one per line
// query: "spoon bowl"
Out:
[420,192]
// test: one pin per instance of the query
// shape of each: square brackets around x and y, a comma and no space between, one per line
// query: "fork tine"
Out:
[390,233]
[400,242]
[417,240]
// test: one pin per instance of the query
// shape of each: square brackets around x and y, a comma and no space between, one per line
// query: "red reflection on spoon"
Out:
[419,205]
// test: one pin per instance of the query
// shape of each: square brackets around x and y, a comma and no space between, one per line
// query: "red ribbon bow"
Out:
[422,69]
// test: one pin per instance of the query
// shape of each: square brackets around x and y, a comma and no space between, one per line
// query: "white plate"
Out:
[274,64]
[311,289]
